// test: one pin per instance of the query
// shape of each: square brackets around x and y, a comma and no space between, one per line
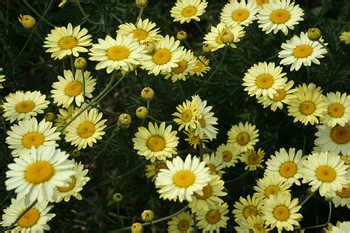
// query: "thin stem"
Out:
[238,177]
[307,198]
[140,14]
[13,225]
[85,16]
[37,13]
[328,219]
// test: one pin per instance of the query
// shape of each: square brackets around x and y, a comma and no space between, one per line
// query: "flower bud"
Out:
[206,48]
[141,3]
[80,63]
[141,112]
[117,197]
[124,120]
[227,37]
[314,33]
[147,93]
[147,215]
[27,21]
[181,35]
[136,228]
[50,116]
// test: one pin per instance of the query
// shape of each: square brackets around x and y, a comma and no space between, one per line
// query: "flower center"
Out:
[67,42]
[302,51]
[161,56]
[189,11]
[69,186]
[140,34]
[86,129]
[212,168]
[280,95]
[183,225]
[181,67]
[186,116]
[281,213]
[227,156]
[262,2]
[213,216]
[29,219]
[326,173]
[184,178]
[33,139]
[340,134]
[243,138]
[345,192]
[240,15]
[288,169]
[307,107]
[253,158]
[279,16]
[336,110]
[25,106]
[118,53]
[156,143]
[207,192]
[271,190]
[202,122]
[39,172]
[264,81]
[73,88]
[250,211]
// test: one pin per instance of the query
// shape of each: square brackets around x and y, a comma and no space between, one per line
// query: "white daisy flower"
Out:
[186,10]
[335,139]
[243,13]
[342,197]
[338,109]
[228,154]
[271,185]
[142,31]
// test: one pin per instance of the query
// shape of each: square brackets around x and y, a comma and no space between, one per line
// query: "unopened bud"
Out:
[80,63]
[141,3]
[141,112]
[124,120]
[181,35]
[314,33]
[147,93]
[147,215]
[136,228]
[27,21]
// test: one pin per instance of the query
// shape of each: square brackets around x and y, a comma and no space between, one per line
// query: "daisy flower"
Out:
[280,98]
[75,185]
[66,41]
[338,109]
[2,79]
[228,154]
[121,53]
[342,197]
[222,35]
[187,115]
[181,223]
[29,134]
[243,136]
[271,185]
[257,225]
[262,3]
[345,37]
[324,171]
[282,212]
[86,129]
[253,159]
[242,13]
[280,15]
[142,31]
[248,207]
[181,179]
[23,105]
[156,142]
[73,88]
[341,227]
[335,139]
[34,219]
[184,66]
[201,66]
[263,79]
[307,104]
[286,164]
[64,115]
[210,196]
[300,50]
[151,170]
[213,219]
[186,10]
[214,164]
[38,172]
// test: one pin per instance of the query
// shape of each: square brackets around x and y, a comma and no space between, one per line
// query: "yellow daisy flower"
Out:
[342,197]
[214,219]
[246,208]
[338,109]
[271,185]
[345,37]
[334,139]
[214,164]
[181,223]
[253,159]
[228,154]
[186,10]
[186,115]
[142,31]
[201,66]
[242,13]
[151,170]
[184,66]
[243,136]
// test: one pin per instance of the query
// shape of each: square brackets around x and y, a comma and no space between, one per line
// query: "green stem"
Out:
[140,14]
[85,16]
[37,13]
[13,225]
[307,198]
[323,224]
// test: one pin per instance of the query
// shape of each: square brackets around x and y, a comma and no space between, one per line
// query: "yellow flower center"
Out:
[302,51]
[183,225]
[271,190]
[156,143]
[186,116]
[281,213]
[240,15]
[184,178]
[207,192]
[189,11]
[33,139]
[29,219]
[227,156]
[243,138]
[326,173]
[213,216]
[212,168]
[25,106]
[39,172]
[345,192]
[161,56]
[140,34]
[69,186]
[336,110]
[288,169]
[118,53]
[86,129]
[73,88]
[250,211]
[264,81]
[67,42]
[262,2]
[253,158]
[279,16]
[202,122]
[340,134]
[181,67]
[280,95]
[307,107]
